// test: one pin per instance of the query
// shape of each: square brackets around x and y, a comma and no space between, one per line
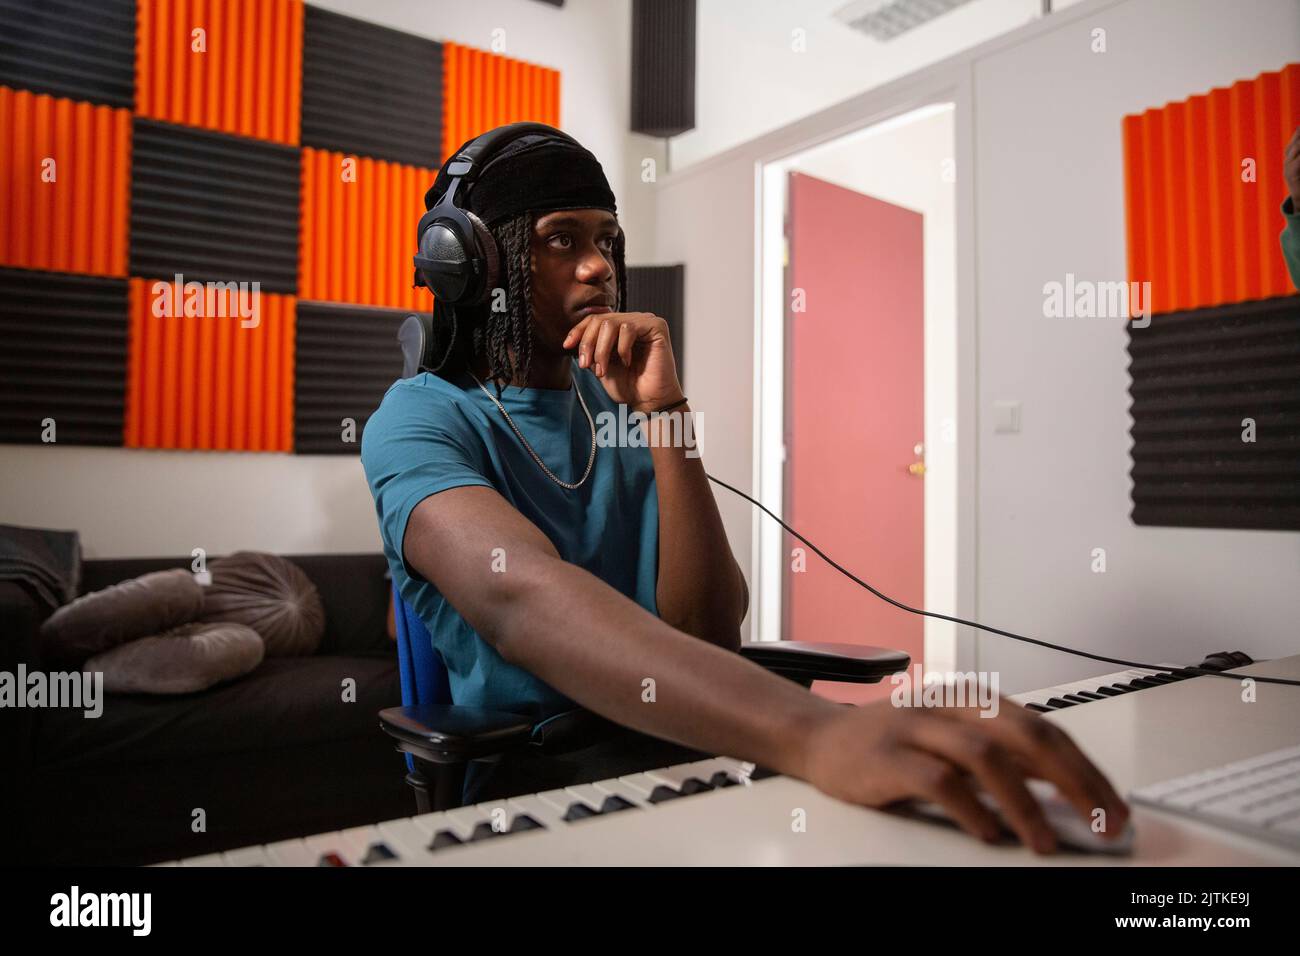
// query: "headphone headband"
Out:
[474,157]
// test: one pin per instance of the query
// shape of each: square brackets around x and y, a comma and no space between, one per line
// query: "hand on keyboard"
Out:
[879,754]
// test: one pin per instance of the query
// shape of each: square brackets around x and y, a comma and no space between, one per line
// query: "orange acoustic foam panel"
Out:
[65,172]
[1203,191]
[247,78]
[483,90]
[358,230]
[206,381]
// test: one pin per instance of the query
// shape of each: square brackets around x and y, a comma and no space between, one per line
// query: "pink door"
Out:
[854,414]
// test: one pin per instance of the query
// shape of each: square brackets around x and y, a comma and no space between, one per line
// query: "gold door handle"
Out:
[917,468]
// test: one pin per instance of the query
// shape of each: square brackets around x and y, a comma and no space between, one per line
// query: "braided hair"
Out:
[505,336]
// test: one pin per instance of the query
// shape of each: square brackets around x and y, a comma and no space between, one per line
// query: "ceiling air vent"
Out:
[886,19]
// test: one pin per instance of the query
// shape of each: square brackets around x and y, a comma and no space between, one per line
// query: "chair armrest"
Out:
[844,663]
[450,734]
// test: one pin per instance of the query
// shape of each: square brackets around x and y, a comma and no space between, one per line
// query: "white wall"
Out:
[141,503]
[1049,199]
[751,79]
[1041,194]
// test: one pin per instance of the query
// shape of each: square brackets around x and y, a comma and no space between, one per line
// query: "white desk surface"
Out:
[1136,739]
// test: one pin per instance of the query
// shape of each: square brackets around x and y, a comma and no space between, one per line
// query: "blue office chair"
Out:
[439,737]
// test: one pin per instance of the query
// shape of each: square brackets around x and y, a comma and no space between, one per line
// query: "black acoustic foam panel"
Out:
[64,357]
[345,359]
[77,49]
[371,91]
[1195,377]
[213,207]
[663,66]
[661,290]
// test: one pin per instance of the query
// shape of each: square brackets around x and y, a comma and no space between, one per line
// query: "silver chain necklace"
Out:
[571,485]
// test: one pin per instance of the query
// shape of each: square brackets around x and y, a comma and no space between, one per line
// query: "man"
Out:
[553,573]
[1291,208]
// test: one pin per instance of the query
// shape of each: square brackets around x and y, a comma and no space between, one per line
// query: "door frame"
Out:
[960,651]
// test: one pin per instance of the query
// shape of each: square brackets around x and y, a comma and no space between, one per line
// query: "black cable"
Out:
[1199,671]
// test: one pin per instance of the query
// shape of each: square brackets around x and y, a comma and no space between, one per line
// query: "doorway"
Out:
[858,398]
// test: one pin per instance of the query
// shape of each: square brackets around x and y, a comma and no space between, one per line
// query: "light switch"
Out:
[1006,417]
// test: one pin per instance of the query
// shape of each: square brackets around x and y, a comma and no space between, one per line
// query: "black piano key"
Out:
[614,803]
[524,822]
[483,830]
[1089,695]
[1038,707]
[378,853]
[1057,703]
[444,838]
[1125,688]
[579,811]
[1076,698]
[1161,678]
[1109,692]
[330,859]
[694,785]
[663,793]
[1144,682]
[721,780]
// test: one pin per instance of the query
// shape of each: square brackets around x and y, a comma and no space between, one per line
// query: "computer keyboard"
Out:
[1259,797]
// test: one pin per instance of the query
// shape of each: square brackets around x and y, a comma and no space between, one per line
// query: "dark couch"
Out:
[274,754]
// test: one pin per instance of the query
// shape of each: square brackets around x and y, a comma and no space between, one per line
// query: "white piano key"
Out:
[541,811]
[411,843]
[642,783]
[735,767]
[676,776]
[463,820]
[208,859]
[559,800]
[430,823]
[335,842]
[366,837]
[587,793]
[1089,684]
[705,769]
[248,856]
[618,788]
[291,853]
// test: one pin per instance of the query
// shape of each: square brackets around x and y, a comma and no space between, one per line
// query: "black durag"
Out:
[535,173]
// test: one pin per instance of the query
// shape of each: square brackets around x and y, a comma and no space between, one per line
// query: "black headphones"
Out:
[458,259]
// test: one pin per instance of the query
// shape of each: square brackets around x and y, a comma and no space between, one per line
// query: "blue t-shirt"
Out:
[430,434]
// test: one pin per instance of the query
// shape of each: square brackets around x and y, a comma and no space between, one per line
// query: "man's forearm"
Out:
[591,643]
[701,589]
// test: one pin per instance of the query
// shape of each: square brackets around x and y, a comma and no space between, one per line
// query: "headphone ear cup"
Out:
[486,251]
[439,243]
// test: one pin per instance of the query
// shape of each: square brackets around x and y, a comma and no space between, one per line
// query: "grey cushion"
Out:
[149,604]
[271,595]
[186,659]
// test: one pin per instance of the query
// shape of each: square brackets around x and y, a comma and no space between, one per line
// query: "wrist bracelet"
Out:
[668,408]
